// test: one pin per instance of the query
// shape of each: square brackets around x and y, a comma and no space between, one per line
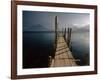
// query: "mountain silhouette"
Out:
[37,27]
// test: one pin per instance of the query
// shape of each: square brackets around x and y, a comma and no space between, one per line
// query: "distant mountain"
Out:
[80,28]
[37,27]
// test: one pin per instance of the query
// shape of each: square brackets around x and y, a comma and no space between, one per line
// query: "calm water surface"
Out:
[80,47]
[37,46]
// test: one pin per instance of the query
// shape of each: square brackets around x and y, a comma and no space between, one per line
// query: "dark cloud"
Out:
[33,20]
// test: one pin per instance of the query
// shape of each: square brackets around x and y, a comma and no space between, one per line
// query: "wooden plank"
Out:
[63,55]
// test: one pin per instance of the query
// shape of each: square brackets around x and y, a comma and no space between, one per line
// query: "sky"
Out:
[44,21]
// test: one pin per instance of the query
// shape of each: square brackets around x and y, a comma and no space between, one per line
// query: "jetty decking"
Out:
[63,55]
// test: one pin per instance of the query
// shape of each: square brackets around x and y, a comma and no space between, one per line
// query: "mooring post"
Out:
[70,32]
[56,25]
[69,36]
[55,29]
[65,34]
[62,31]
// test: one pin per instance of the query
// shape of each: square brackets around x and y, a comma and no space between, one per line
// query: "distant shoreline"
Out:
[51,31]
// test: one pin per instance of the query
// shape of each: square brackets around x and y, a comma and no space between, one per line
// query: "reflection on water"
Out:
[37,46]
[80,47]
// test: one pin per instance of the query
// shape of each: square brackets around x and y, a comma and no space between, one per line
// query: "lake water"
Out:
[80,47]
[37,46]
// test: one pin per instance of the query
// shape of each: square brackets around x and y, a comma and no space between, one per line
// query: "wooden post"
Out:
[69,36]
[55,29]
[70,32]
[56,26]
[65,34]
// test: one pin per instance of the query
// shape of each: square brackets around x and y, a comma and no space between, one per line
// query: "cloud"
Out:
[81,25]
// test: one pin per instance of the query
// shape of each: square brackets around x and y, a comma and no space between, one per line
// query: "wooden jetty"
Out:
[62,56]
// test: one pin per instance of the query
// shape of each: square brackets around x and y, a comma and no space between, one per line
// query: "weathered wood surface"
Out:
[63,56]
